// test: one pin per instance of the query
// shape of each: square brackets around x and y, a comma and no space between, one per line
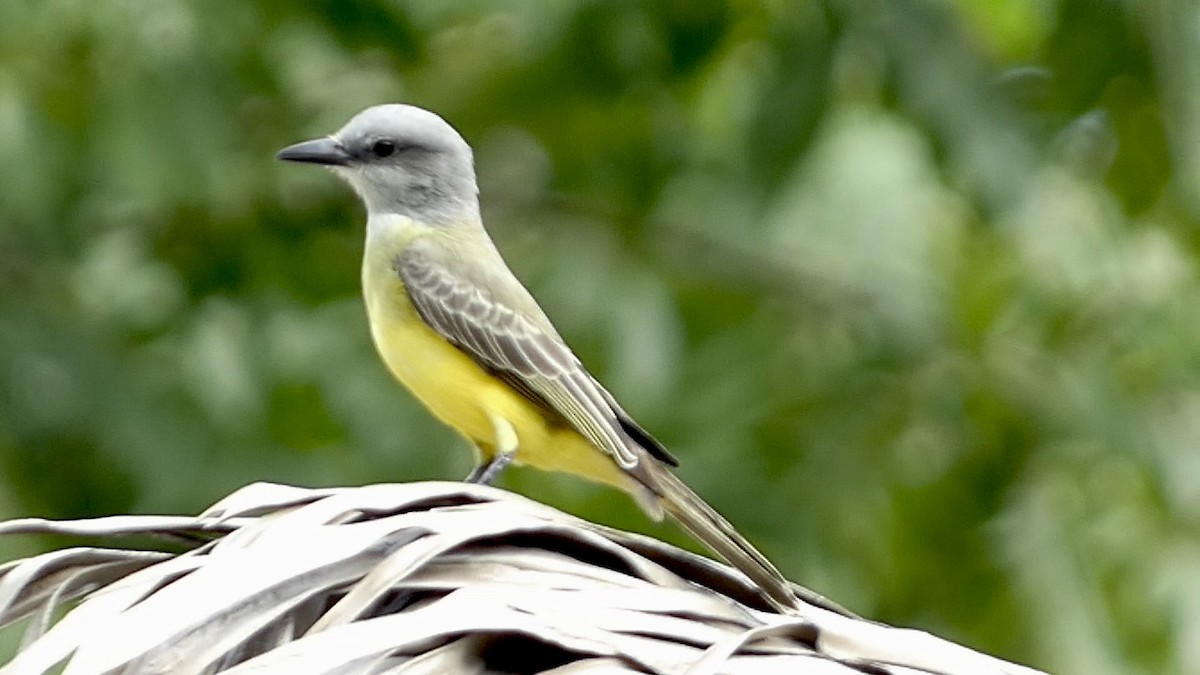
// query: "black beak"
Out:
[320,151]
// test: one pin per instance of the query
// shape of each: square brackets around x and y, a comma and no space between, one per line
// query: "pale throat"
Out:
[393,227]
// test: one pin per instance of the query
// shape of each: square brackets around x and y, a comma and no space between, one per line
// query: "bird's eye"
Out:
[383,148]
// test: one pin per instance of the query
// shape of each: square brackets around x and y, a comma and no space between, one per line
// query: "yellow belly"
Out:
[465,396]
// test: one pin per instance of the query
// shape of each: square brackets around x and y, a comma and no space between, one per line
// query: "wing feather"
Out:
[499,337]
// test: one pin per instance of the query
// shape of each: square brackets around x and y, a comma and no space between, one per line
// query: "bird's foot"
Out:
[484,474]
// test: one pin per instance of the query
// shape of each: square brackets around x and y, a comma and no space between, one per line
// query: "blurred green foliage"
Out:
[910,287]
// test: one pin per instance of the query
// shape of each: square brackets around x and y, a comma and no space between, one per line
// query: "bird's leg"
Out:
[506,449]
[484,474]
[477,472]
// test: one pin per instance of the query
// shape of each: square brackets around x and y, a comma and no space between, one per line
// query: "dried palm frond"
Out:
[420,578]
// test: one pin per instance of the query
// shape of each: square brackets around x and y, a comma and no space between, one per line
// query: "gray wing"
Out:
[499,337]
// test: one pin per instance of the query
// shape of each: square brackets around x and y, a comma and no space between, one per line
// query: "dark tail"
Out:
[704,523]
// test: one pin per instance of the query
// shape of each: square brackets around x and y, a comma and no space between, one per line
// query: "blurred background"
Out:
[910,287]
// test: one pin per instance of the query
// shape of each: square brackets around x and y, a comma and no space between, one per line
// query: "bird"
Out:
[454,325]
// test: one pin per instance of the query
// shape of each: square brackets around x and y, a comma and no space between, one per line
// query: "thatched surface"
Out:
[420,578]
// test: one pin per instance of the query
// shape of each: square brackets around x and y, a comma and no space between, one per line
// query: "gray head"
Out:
[400,159]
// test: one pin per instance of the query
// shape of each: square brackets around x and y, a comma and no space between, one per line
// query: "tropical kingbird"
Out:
[460,331]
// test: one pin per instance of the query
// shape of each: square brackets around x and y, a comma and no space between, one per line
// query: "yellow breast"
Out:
[440,375]
[458,390]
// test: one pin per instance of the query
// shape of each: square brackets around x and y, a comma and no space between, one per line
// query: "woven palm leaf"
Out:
[419,578]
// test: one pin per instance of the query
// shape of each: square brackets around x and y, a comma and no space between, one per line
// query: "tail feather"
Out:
[711,528]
